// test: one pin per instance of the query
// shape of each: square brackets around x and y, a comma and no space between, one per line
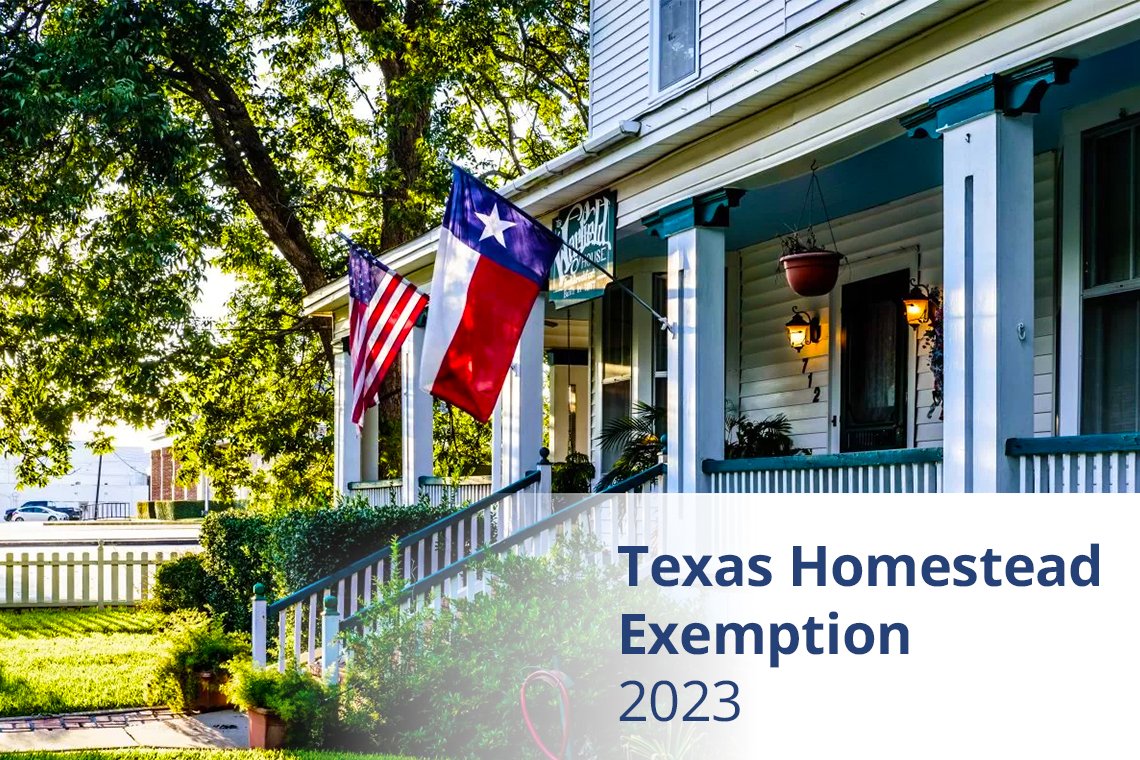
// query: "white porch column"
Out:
[694,229]
[370,445]
[987,131]
[346,441]
[517,421]
[416,418]
[988,365]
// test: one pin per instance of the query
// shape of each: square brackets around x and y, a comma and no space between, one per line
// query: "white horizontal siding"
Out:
[774,379]
[728,32]
[619,64]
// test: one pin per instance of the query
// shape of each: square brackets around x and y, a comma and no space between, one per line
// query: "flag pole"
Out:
[665,324]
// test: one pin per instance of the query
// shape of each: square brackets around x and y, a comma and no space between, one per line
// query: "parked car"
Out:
[38,512]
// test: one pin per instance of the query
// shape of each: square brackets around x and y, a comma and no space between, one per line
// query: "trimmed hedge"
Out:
[287,547]
[182,509]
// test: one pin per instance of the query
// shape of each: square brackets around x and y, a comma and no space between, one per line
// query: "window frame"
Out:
[1103,292]
[1077,123]
[656,91]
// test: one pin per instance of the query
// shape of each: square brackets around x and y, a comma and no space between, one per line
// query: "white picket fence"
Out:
[78,579]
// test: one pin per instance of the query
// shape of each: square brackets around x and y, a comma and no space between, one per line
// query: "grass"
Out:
[158,754]
[54,661]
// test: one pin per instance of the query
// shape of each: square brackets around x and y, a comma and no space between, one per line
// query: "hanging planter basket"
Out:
[813,272]
[810,268]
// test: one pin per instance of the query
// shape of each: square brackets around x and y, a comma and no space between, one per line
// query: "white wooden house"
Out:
[986,149]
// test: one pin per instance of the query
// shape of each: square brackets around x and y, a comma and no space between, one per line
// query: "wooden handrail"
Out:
[1073,444]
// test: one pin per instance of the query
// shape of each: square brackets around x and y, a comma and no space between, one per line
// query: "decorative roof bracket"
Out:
[1013,93]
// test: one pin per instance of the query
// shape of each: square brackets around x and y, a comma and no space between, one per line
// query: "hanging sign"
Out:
[591,227]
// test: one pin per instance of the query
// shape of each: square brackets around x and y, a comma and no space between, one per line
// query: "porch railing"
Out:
[461,491]
[895,471]
[458,491]
[1077,463]
[422,554]
[378,493]
[612,518]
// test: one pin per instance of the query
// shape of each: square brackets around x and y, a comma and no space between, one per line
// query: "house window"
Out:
[675,42]
[617,360]
[873,356]
[1110,400]
[660,347]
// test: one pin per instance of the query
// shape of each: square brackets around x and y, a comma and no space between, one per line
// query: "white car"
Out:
[37,514]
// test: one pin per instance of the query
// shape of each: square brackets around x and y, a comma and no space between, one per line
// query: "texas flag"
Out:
[492,263]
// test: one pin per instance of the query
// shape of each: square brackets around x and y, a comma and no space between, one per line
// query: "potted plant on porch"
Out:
[284,709]
[190,675]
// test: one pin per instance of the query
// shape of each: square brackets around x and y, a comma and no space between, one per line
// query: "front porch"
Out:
[1012,198]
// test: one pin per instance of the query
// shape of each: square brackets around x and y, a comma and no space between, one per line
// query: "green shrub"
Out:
[181,584]
[300,700]
[195,644]
[446,683]
[287,547]
[145,510]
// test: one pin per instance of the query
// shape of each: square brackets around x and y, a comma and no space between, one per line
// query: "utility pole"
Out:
[98,482]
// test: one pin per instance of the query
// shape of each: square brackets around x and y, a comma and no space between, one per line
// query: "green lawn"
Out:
[158,754]
[64,661]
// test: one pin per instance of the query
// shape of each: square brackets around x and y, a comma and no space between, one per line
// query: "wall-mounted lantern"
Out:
[917,305]
[802,330]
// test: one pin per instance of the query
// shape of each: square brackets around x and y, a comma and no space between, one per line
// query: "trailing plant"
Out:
[746,438]
[639,439]
[299,699]
[933,341]
[195,644]
[573,475]
[802,241]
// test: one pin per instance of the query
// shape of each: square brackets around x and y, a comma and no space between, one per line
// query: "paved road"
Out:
[40,534]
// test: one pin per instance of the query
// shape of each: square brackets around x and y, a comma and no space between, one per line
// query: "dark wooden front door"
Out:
[875,352]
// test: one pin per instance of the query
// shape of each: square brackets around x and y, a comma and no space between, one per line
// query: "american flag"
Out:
[384,308]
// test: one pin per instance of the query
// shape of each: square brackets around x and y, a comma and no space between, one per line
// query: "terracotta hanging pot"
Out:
[811,272]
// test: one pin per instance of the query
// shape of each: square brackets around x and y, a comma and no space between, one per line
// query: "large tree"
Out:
[145,139]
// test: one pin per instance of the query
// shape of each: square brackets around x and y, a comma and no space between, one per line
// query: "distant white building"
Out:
[123,478]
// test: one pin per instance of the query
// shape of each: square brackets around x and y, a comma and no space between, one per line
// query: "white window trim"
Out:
[1070,360]
[656,93]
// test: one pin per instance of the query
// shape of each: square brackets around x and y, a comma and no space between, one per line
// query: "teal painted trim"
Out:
[1014,93]
[625,486]
[1073,444]
[470,480]
[706,210]
[363,485]
[530,478]
[855,459]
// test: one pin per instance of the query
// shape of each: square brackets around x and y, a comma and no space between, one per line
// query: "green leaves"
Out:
[144,139]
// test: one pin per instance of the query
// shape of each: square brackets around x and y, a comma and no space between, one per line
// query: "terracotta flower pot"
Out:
[266,729]
[210,696]
[811,273]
